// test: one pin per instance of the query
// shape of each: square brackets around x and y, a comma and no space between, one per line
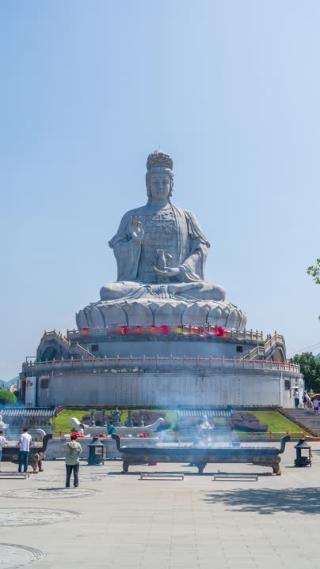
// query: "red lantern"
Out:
[84,331]
[164,329]
[122,330]
[219,331]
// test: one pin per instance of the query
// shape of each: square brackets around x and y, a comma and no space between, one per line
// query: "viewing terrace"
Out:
[250,336]
[154,363]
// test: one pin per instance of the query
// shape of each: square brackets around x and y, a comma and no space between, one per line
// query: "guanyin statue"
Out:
[161,255]
[161,244]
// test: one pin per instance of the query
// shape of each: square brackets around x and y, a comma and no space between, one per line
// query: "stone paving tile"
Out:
[195,524]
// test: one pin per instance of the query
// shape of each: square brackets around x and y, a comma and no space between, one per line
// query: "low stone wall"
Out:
[216,387]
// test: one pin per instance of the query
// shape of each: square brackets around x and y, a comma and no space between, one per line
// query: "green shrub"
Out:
[7,397]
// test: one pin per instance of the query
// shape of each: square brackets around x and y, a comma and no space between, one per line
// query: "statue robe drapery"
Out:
[185,242]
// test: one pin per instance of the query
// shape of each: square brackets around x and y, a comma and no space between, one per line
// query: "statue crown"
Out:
[159,159]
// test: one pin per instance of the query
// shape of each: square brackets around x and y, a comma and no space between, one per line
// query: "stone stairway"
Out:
[273,348]
[306,418]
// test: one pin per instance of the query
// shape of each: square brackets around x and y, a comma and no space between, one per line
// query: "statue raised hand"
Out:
[136,229]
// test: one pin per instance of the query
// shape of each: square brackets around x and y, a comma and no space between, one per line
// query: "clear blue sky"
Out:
[231,89]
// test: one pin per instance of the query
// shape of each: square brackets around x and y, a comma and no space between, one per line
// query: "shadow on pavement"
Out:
[267,501]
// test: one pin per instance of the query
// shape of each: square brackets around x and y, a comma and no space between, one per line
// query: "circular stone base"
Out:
[50,493]
[151,311]
[84,477]
[13,556]
[33,516]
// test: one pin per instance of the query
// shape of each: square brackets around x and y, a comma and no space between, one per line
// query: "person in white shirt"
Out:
[24,449]
[3,442]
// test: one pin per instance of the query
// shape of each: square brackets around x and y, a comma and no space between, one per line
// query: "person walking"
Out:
[3,443]
[73,449]
[111,428]
[24,449]
[315,404]
[296,398]
[307,400]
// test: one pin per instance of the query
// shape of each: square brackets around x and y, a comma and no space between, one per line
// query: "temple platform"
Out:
[164,367]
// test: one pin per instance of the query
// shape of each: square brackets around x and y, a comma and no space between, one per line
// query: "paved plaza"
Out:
[119,521]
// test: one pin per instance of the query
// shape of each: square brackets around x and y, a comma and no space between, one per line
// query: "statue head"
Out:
[159,176]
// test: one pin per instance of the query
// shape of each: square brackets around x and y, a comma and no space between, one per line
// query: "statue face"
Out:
[159,186]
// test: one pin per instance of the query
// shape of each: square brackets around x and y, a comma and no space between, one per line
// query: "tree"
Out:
[314,271]
[310,368]
[7,397]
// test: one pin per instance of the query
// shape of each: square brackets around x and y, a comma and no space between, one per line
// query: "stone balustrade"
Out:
[138,364]
[236,335]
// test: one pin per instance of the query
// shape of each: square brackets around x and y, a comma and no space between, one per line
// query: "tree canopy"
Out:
[310,368]
[314,271]
[7,397]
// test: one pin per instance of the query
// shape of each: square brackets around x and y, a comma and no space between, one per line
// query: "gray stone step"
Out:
[306,418]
